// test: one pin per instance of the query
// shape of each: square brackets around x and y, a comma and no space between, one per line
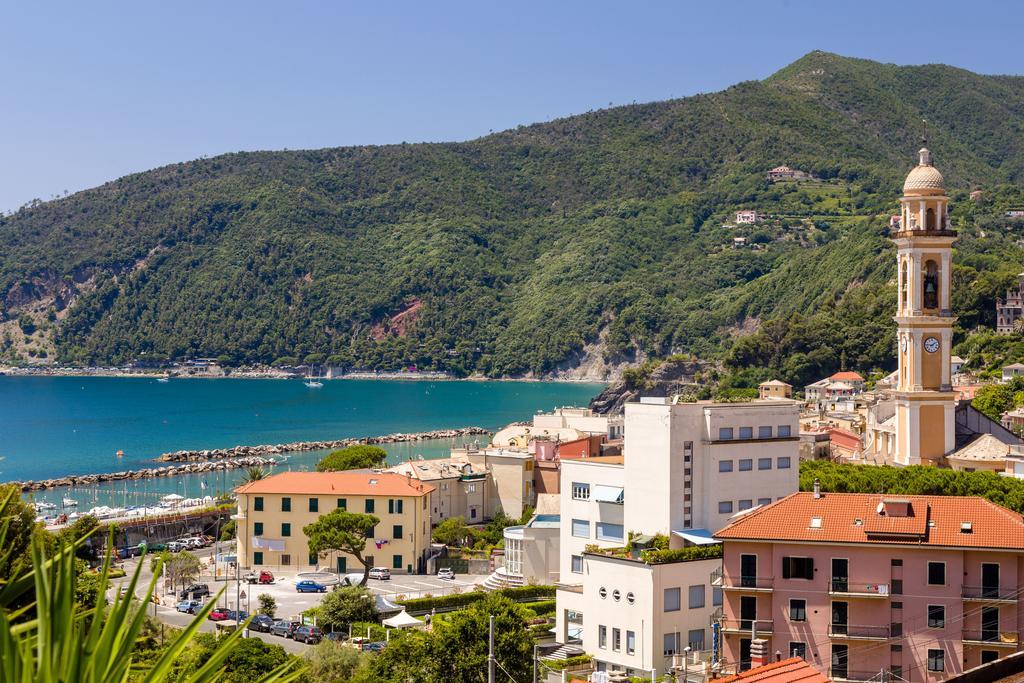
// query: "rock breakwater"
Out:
[298,446]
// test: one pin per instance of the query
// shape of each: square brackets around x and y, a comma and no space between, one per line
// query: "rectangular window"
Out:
[391,506]
[746,464]
[342,504]
[936,573]
[286,560]
[670,643]
[257,528]
[896,562]
[396,561]
[286,529]
[314,505]
[369,532]
[580,491]
[672,600]
[581,528]
[630,642]
[695,639]
[257,504]
[897,587]
[616,640]
[798,568]
[783,431]
[746,432]
[725,465]
[400,506]
[764,501]
[313,559]
[764,463]
[936,660]
[798,650]
[257,558]
[896,604]
[724,433]
[286,505]
[716,596]
[724,507]
[797,610]
[783,463]
[396,532]
[746,504]
[368,505]
[936,616]
[896,629]
[896,649]
[577,564]
[602,636]
[610,532]
[696,597]
[764,432]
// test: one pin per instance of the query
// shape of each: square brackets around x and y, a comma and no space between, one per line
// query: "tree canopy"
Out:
[356,457]
[342,531]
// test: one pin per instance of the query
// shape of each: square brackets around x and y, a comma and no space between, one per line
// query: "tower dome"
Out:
[924,179]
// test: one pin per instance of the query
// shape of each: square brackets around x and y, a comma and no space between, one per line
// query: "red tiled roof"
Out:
[855,518]
[787,671]
[846,376]
[353,482]
[844,438]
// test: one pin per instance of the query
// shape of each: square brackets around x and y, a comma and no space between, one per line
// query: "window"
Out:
[798,650]
[724,507]
[257,558]
[369,532]
[896,649]
[580,491]
[616,640]
[797,610]
[609,532]
[577,564]
[783,463]
[286,505]
[368,505]
[896,604]
[396,561]
[746,504]
[783,431]
[396,532]
[286,529]
[764,501]
[603,592]
[764,432]
[746,464]
[695,639]
[671,643]
[630,642]
[725,465]
[314,505]
[896,629]
[696,599]
[746,432]
[257,528]
[936,573]
[581,528]
[798,568]
[724,433]
[716,596]
[399,506]
[764,463]
[897,587]
[342,504]
[936,661]
[257,504]
[630,597]
[989,656]
[936,616]
[394,506]
[896,562]
[672,600]
[616,595]
[313,559]
[602,636]
[286,560]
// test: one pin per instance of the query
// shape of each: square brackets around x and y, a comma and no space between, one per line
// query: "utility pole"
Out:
[535,663]
[490,651]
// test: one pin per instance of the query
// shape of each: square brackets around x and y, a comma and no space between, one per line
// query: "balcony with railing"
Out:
[990,638]
[858,632]
[988,594]
[747,626]
[853,589]
[843,674]
[749,584]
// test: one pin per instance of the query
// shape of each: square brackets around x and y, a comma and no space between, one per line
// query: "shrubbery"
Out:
[463,599]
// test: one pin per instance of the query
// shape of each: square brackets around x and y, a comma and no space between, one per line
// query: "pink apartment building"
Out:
[874,587]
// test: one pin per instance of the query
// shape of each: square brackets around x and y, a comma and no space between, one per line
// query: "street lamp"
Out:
[686,663]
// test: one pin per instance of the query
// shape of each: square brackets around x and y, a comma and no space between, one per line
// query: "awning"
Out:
[403,620]
[268,543]
[607,494]
[696,536]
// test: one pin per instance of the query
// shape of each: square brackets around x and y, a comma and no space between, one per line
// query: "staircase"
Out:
[563,652]
[500,579]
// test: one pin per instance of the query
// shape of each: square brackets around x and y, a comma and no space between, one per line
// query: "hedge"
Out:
[462,599]
[542,607]
[689,554]
[560,664]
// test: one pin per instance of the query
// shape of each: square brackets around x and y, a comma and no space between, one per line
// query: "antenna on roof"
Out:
[924,132]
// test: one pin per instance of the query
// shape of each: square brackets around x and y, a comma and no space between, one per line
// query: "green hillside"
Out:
[516,253]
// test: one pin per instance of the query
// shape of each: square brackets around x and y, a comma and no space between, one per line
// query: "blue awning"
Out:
[607,494]
[696,536]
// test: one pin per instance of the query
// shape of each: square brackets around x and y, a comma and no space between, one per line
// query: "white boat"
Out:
[43,505]
[312,382]
[69,502]
[165,378]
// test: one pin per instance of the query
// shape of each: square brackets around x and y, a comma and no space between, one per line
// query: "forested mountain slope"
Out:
[531,250]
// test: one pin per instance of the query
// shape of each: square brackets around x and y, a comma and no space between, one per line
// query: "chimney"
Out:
[778,656]
[758,652]
[817,488]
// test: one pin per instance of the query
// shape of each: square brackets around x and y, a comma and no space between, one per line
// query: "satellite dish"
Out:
[880,509]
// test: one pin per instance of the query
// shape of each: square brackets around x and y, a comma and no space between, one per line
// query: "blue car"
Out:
[310,587]
[189,606]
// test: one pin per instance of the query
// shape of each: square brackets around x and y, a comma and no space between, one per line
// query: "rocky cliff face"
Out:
[662,378]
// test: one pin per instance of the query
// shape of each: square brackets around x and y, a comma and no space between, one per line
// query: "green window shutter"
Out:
[396,562]
[369,505]
[257,504]
[286,529]
[314,505]
[257,528]
[257,558]
[342,504]
[286,505]
[396,532]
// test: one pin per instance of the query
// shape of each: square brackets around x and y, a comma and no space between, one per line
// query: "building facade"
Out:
[460,487]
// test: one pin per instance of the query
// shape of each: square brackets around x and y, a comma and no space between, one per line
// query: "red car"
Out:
[218,614]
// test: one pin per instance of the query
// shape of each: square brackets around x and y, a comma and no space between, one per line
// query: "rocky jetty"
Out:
[165,471]
[254,451]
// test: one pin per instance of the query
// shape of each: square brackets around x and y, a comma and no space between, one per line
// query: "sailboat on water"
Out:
[311,381]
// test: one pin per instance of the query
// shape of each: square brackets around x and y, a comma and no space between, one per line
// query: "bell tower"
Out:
[924,398]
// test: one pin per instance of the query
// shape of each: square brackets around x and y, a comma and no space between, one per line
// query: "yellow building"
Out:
[774,388]
[273,511]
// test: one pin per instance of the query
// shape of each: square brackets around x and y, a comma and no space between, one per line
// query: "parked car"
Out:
[176,547]
[308,586]
[445,573]
[218,614]
[310,635]
[374,647]
[380,573]
[194,542]
[334,636]
[262,623]
[197,590]
[237,616]
[284,628]
[156,547]
[262,577]
[189,606]
[124,590]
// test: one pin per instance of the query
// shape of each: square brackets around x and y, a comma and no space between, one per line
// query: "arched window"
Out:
[930,285]
[903,285]
[929,219]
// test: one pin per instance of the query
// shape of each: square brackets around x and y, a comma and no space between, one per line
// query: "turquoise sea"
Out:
[55,426]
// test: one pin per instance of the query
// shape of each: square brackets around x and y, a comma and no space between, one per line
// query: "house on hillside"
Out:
[786,173]
[1010,309]
[1012,370]
[774,388]
[748,216]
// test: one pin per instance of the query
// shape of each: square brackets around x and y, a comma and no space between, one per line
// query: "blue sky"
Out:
[92,91]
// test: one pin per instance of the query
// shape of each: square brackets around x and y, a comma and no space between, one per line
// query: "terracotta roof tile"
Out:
[787,671]
[846,376]
[855,518]
[353,482]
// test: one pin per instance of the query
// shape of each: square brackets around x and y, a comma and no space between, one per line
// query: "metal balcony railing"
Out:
[858,631]
[854,588]
[748,583]
[988,593]
[844,674]
[993,636]
[747,625]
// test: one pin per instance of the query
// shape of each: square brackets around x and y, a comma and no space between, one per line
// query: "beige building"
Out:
[273,511]
[774,388]
[510,487]
[531,554]
[461,487]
